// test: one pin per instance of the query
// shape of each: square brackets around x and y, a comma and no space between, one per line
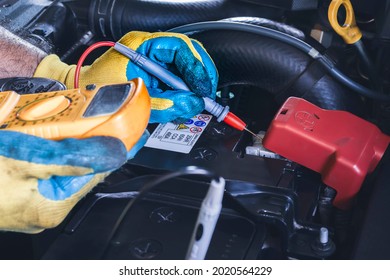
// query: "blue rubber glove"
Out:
[41,180]
[183,56]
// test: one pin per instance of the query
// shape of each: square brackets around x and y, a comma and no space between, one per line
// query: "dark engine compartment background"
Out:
[273,208]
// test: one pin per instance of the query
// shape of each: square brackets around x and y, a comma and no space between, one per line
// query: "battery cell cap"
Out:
[342,147]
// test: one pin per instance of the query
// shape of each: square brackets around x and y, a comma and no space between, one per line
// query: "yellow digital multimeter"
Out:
[118,110]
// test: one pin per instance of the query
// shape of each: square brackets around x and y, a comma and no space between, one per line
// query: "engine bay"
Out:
[273,207]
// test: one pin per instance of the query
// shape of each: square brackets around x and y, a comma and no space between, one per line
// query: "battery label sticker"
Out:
[178,137]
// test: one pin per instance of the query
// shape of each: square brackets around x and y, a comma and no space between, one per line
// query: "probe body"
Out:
[211,106]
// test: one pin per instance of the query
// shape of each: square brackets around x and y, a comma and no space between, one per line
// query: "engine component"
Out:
[112,19]
[257,148]
[254,58]
[352,35]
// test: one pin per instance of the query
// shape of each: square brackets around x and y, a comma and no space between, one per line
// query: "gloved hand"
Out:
[41,180]
[177,52]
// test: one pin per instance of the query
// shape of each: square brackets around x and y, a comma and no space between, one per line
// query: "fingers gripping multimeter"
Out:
[119,110]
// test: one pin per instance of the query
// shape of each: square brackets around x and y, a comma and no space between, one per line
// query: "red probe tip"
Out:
[234,121]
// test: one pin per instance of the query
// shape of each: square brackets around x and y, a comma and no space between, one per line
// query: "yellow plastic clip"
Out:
[350,32]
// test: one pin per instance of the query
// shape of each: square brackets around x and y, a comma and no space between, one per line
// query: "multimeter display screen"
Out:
[108,100]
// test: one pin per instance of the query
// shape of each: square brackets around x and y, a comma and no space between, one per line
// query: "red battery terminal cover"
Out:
[342,147]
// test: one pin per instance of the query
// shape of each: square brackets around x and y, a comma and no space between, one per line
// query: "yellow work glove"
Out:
[42,180]
[177,52]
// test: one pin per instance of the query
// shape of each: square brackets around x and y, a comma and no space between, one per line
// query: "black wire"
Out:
[189,170]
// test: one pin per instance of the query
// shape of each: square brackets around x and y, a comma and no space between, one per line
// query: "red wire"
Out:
[85,54]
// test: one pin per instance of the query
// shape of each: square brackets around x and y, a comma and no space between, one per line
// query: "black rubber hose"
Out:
[275,67]
[114,18]
[290,40]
